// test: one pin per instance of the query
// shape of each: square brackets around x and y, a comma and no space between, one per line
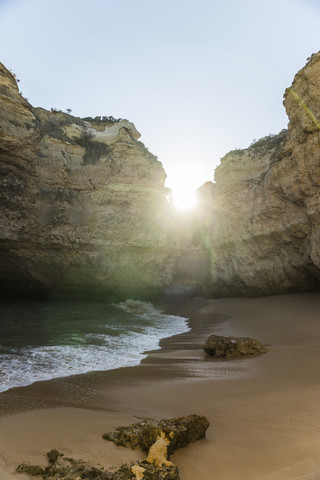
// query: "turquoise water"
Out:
[45,340]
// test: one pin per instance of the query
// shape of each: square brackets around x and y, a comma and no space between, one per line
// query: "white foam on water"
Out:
[93,351]
[138,307]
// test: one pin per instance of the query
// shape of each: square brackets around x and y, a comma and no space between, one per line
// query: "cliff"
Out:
[83,205]
[264,218]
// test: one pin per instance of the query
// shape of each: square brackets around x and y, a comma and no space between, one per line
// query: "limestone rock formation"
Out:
[232,347]
[178,431]
[68,468]
[173,433]
[83,205]
[264,223]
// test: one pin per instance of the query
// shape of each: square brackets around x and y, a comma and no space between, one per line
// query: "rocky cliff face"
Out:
[83,206]
[265,219]
[83,203]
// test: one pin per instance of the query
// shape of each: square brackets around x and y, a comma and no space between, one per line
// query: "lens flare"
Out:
[183,183]
[184,198]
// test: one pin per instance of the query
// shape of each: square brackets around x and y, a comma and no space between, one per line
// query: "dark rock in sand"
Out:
[72,469]
[218,346]
[66,469]
[159,438]
[148,470]
[33,470]
[54,455]
[179,431]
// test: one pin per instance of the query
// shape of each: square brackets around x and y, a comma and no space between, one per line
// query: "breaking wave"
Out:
[80,339]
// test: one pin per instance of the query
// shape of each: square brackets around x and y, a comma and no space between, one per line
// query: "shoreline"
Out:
[263,411]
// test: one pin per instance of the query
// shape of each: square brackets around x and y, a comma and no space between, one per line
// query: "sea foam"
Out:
[115,340]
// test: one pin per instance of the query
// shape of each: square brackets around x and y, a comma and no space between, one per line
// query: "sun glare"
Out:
[184,198]
[184,183]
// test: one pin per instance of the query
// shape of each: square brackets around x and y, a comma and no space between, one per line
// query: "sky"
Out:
[197,78]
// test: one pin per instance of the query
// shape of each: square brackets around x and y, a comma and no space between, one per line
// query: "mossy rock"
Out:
[54,455]
[180,431]
[33,470]
[78,469]
[151,472]
[232,347]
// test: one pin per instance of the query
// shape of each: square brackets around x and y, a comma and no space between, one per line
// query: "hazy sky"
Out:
[198,78]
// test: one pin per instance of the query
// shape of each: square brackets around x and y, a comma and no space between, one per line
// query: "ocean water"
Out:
[45,340]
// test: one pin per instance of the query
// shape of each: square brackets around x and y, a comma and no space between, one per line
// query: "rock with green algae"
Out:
[179,431]
[72,469]
[66,469]
[33,470]
[146,471]
[54,455]
[232,347]
[158,438]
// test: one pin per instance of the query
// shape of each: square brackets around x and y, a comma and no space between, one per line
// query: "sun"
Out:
[183,183]
[184,198]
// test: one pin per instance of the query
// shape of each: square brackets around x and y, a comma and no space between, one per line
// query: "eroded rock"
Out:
[178,431]
[158,453]
[88,194]
[146,471]
[219,346]
[73,469]
[158,438]
[263,209]
[84,208]
[33,470]
[54,455]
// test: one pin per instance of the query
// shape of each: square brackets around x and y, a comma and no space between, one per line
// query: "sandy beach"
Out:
[264,411]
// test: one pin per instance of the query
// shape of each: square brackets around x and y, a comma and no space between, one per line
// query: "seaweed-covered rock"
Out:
[54,455]
[179,431]
[159,438]
[229,347]
[67,469]
[72,469]
[33,470]
[146,471]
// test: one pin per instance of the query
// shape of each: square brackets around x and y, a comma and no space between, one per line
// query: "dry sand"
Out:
[264,412]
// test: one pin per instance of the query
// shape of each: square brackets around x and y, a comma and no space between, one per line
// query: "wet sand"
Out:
[264,411]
